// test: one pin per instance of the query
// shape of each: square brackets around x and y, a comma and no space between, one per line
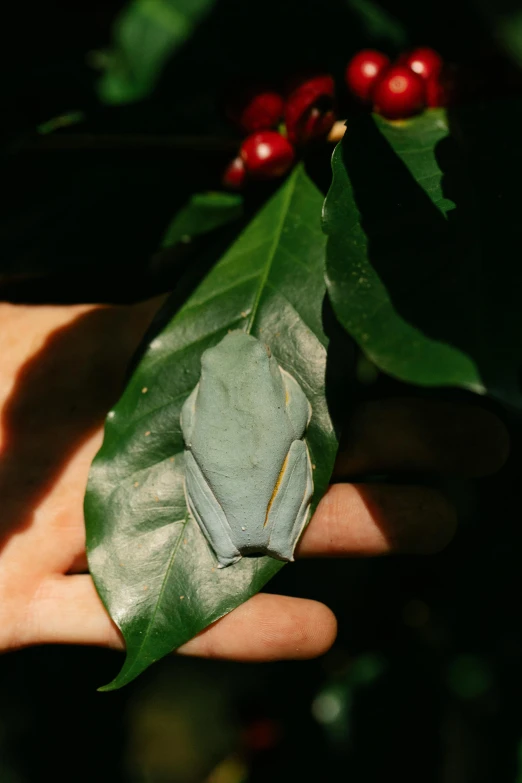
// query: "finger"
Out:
[374,519]
[422,435]
[268,628]
[68,610]
[371,519]
[265,628]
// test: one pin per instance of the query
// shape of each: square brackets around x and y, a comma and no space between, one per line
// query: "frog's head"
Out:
[236,350]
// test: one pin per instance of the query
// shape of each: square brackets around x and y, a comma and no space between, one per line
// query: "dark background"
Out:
[424,681]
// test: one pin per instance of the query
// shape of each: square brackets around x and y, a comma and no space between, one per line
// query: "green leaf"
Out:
[150,562]
[378,23]
[504,19]
[59,122]
[203,213]
[509,32]
[193,50]
[146,35]
[423,246]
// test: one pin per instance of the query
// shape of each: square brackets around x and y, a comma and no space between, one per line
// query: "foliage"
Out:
[151,563]
[146,35]
[419,261]
[205,212]
[421,255]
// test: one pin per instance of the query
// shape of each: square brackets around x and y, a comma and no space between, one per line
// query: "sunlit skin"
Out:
[62,369]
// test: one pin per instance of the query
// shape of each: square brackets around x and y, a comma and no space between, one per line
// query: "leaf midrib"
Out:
[273,248]
[151,622]
[261,286]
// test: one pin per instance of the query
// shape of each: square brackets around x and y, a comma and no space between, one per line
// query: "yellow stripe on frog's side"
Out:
[276,488]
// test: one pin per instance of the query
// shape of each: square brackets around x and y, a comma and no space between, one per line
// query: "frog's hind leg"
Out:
[298,409]
[288,512]
[187,415]
[208,513]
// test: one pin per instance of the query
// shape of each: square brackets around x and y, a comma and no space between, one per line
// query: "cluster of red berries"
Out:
[276,126]
[307,112]
[400,89]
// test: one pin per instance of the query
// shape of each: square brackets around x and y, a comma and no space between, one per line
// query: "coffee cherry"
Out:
[436,94]
[309,109]
[399,93]
[255,109]
[267,155]
[449,88]
[424,61]
[234,175]
[363,70]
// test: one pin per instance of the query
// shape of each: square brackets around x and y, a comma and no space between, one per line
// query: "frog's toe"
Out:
[224,562]
[286,554]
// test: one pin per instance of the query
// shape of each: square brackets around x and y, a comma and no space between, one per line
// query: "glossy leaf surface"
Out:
[151,563]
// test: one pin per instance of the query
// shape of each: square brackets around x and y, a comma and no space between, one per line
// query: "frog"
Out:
[248,472]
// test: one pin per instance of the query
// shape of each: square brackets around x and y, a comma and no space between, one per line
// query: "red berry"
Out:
[235,174]
[255,108]
[436,94]
[309,110]
[399,93]
[363,70]
[424,61]
[318,83]
[267,154]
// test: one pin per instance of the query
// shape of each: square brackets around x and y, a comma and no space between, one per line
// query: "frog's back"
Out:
[242,433]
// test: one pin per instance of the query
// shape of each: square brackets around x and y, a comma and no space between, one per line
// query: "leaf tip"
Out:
[106,688]
[114,685]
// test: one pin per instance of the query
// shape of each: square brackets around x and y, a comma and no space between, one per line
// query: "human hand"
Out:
[62,369]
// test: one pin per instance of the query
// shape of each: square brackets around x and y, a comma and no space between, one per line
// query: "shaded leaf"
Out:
[187,51]
[505,19]
[423,246]
[62,121]
[85,224]
[145,35]
[203,213]
[378,23]
[150,562]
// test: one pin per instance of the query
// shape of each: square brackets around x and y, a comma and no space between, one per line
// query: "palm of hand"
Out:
[61,370]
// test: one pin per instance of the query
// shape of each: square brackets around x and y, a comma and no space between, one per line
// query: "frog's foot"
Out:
[227,561]
[208,514]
